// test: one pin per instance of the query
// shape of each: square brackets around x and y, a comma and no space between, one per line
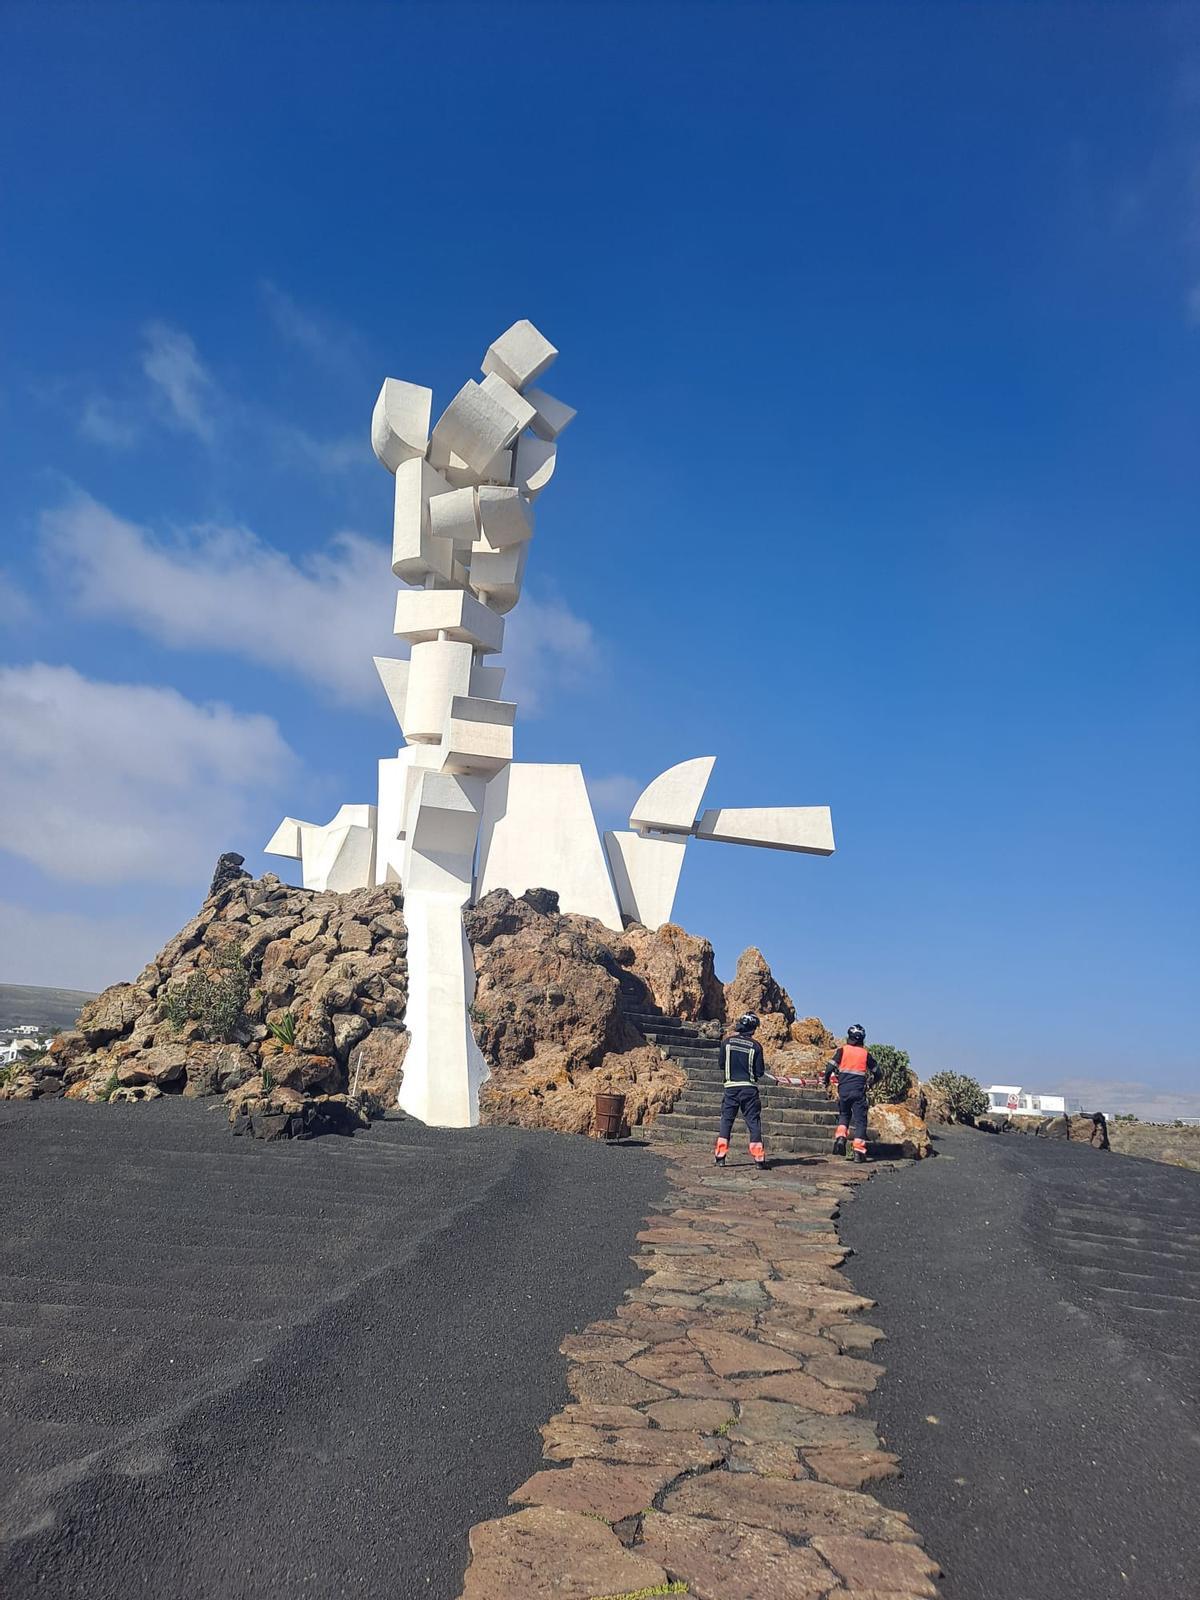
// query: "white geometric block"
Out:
[539,832]
[345,860]
[455,516]
[444,1068]
[504,517]
[496,576]
[487,682]
[400,422]
[394,677]
[416,552]
[474,426]
[534,464]
[439,669]
[498,470]
[421,614]
[519,355]
[389,826]
[551,416]
[521,411]
[479,735]
[807,829]
[285,841]
[671,802]
[646,875]
[441,821]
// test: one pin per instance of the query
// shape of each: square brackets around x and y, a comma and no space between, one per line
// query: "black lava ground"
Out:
[232,1369]
[1042,1306]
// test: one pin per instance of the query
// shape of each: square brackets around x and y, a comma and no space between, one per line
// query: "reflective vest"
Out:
[854,1059]
[737,1056]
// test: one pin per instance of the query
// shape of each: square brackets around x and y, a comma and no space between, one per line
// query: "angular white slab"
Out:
[520,354]
[534,464]
[444,1068]
[422,614]
[498,470]
[393,675]
[551,416]
[389,826]
[474,426]
[343,860]
[496,576]
[285,841]
[454,517]
[521,411]
[808,829]
[487,682]
[439,669]
[539,833]
[416,551]
[504,517]
[400,422]
[479,735]
[645,874]
[442,812]
[671,802]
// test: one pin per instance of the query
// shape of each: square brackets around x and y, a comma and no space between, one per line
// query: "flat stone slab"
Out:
[686,1452]
[558,1555]
[849,1468]
[732,1560]
[868,1564]
[730,1355]
[797,1389]
[604,1383]
[596,1489]
[762,1420]
[801,1509]
[600,1347]
[843,1372]
[701,1416]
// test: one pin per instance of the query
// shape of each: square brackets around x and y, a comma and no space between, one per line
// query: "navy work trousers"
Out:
[743,1098]
[852,1107]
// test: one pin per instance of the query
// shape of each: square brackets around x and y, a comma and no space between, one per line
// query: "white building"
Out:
[1014,1101]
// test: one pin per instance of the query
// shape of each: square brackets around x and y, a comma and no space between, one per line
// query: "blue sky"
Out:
[883,325]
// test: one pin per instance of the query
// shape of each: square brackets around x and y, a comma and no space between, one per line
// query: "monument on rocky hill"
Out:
[455,816]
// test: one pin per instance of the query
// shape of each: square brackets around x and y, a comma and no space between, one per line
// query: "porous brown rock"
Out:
[898,1130]
[548,1554]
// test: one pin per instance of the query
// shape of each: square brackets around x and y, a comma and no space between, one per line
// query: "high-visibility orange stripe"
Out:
[842,1131]
[757,1151]
[854,1058]
[722,1147]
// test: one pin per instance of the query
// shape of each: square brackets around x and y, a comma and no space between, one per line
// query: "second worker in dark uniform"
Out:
[744,1065]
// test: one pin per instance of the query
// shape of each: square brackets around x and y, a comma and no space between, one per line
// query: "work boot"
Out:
[839,1146]
[762,1165]
[860,1155]
[718,1161]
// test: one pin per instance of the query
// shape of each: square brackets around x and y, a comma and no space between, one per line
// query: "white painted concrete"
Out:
[539,833]
[474,426]
[400,422]
[645,873]
[807,829]
[551,416]
[393,675]
[520,354]
[421,614]
[439,670]
[671,803]
[504,517]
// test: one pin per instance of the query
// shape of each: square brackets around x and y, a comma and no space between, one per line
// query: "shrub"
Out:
[284,1031]
[213,997]
[894,1075]
[962,1096]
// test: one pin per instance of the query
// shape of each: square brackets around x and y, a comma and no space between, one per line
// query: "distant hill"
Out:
[45,1008]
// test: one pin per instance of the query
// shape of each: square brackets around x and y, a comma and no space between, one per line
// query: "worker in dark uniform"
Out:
[743,1064]
[855,1069]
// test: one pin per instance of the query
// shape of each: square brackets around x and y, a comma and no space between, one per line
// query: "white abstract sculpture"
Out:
[456,816]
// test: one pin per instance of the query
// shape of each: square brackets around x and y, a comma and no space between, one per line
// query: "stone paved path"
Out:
[715,1444]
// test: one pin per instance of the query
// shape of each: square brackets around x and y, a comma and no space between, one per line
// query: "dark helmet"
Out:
[857,1034]
[746,1024]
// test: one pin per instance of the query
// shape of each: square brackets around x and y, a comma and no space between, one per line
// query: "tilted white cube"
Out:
[421,614]
[400,422]
[504,517]
[520,409]
[455,516]
[479,735]
[416,551]
[520,354]
[496,575]
[534,466]
[474,426]
[498,470]
[550,417]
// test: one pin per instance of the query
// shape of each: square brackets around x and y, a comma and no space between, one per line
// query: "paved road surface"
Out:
[231,1369]
[1042,1302]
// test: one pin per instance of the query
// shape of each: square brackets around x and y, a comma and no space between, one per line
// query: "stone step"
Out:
[707,1126]
[793,1115]
[783,1144]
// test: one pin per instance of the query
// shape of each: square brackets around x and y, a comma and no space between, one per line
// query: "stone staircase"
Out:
[795,1121]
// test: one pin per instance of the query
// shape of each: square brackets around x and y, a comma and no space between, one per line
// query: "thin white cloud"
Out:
[326,455]
[118,782]
[321,618]
[325,341]
[170,361]
[613,797]
[104,422]
[70,950]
